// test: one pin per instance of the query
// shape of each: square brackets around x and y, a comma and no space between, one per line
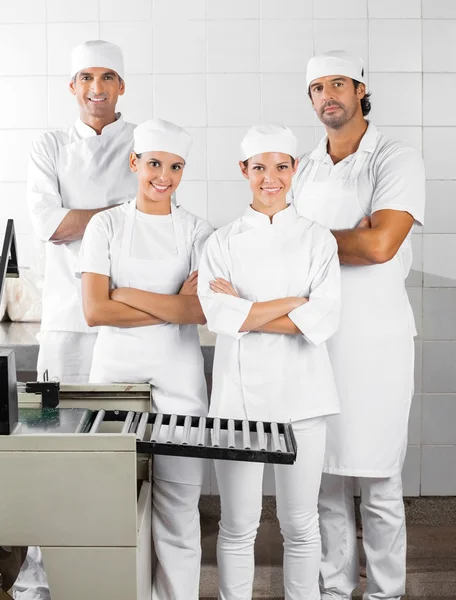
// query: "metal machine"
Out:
[76,469]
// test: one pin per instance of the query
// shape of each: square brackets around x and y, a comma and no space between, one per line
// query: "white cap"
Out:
[162,136]
[97,53]
[268,138]
[336,62]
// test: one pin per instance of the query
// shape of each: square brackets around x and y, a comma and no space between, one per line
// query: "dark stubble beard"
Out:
[336,121]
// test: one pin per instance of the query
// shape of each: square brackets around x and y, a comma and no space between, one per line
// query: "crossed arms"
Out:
[130,307]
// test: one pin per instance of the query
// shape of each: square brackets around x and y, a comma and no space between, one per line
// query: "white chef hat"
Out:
[268,138]
[162,136]
[97,53]
[336,62]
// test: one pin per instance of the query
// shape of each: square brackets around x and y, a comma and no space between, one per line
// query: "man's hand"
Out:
[221,286]
[190,285]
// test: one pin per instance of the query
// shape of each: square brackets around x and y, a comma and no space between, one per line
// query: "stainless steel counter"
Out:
[21,337]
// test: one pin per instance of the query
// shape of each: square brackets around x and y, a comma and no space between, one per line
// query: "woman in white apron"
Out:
[269,287]
[367,189]
[138,264]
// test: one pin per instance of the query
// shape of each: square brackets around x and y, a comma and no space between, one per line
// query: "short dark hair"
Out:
[365,102]
[246,162]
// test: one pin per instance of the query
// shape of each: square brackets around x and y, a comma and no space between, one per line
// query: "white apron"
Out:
[166,355]
[372,354]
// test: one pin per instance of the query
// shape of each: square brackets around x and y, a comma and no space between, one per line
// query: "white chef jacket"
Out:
[262,376]
[74,169]
[153,238]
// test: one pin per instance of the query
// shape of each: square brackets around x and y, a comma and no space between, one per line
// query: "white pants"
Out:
[32,583]
[384,537]
[66,355]
[240,485]
[177,484]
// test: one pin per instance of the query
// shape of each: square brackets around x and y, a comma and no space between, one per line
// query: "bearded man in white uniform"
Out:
[74,174]
[369,191]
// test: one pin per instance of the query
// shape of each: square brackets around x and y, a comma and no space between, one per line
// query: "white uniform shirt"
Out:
[153,237]
[262,376]
[392,177]
[74,169]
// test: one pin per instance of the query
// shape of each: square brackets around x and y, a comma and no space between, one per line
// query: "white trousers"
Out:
[384,537]
[177,484]
[240,485]
[66,355]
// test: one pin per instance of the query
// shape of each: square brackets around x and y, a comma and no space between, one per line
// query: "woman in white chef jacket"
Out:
[269,287]
[138,263]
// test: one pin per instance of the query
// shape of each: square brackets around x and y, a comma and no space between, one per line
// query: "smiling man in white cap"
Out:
[369,191]
[73,174]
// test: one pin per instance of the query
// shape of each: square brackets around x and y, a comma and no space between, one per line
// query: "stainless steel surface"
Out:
[187,430]
[246,435]
[216,433]
[140,432]
[262,444]
[156,428]
[98,421]
[171,429]
[128,422]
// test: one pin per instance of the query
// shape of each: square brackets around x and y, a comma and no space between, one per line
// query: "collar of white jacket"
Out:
[97,53]
[336,62]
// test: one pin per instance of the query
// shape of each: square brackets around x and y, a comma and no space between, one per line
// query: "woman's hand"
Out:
[190,285]
[221,286]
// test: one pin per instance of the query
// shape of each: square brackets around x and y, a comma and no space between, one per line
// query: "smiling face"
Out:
[269,175]
[159,174]
[97,90]
[335,100]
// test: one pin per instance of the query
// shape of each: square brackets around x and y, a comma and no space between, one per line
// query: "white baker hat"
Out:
[162,136]
[268,138]
[97,53]
[336,62]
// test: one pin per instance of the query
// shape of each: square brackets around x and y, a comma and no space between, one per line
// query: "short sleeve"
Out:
[225,314]
[203,231]
[43,195]
[318,319]
[400,183]
[94,254]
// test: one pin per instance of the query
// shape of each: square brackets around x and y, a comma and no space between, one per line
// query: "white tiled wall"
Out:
[217,67]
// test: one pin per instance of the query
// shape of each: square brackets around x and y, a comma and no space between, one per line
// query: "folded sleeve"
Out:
[43,195]
[225,314]
[203,231]
[95,253]
[400,183]
[318,319]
